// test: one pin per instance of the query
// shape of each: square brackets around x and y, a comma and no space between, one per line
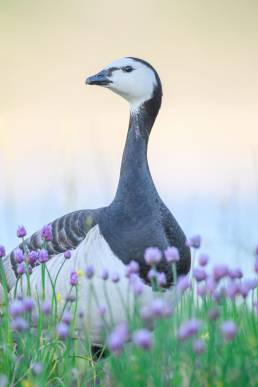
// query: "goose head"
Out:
[131,78]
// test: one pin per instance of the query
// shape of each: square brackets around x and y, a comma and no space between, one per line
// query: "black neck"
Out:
[135,178]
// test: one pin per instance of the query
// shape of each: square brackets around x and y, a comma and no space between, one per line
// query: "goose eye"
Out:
[127,69]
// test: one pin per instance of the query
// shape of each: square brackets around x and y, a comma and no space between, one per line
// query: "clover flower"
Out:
[2,251]
[21,232]
[203,259]
[172,254]
[188,329]
[152,256]
[229,330]
[43,256]
[194,241]
[46,233]
[142,338]
[18,255]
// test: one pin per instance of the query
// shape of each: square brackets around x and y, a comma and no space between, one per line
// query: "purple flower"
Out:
[43,256]
[102,310]
[18,255]
[19,324]
[183,284]
[194,241]
[211,285]
[46,233]
[152,274]
[67,318]
[142,338]
[137,287]
[161,279]
[89,272]
[117,338]
[201,291]
[132,268]
[28,304]
[21,268]
[62,330]
[32,257]
[213,313]
[157,307]
[21,232]
[172,254]
[67,254]
[255,265]
[198,346]
[199,274]
[203,259]
[2,251]
[105,274]
[229,330]
[73,278]
[146,313]
[219,272]
[115,277]
[46,307]
[152,256]
[232,290]
[188,329]
[16,308]
[235,273]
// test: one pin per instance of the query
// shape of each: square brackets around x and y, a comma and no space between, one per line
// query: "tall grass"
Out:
[206,336]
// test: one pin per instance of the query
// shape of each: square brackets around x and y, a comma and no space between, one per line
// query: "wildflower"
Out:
[89,272]
[18,255]
[16,308]
[183,284]
[229,330]
[203,259]
[73,278]
[62,330]
[117,338]
[201,291]
[137,287]
[28,304]
[21,232]
[172,254]
[198,346]
[19,324]
[2,251]
[21,268]
[67,318]
[46,233]
[219,272]
[142,338]
[152,274]
[152,256]
[32,257]
[211,285]
[161,279]
[235,273]
[67,254]
[146,313]
[199,274]
[37,368]
[188,329]
[43,256]
[115,277]
[102,310]
[132,268]
[232,289]
[105,274]
[255,265]
[194,241]
[46,307]
[157,307]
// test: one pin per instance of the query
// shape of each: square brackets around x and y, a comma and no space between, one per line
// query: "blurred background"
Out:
[61,142]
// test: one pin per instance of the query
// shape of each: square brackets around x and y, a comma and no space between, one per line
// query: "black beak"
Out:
[100,79]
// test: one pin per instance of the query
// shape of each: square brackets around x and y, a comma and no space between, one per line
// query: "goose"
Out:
[112,236]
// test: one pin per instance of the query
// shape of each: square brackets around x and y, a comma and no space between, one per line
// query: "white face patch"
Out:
[136,86]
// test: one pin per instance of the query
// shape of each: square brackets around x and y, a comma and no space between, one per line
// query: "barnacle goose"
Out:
[112,236]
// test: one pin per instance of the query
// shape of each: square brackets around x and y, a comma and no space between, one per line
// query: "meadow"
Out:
[205,334]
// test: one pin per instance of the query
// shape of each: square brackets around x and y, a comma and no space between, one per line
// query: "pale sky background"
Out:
[61,142]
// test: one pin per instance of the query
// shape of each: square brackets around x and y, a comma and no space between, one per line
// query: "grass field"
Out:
[205,336]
